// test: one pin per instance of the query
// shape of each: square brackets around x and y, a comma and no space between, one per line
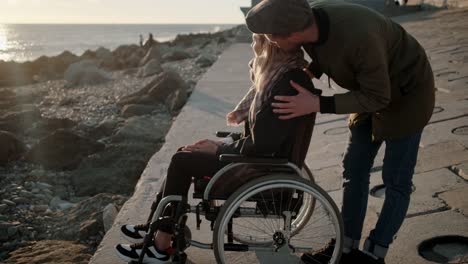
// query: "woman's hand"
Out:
[301,104]
[204,146]
[231,119]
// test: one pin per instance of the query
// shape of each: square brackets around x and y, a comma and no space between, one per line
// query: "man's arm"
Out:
[371,68]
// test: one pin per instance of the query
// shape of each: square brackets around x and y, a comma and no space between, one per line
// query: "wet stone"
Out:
[20,200]
[8,202]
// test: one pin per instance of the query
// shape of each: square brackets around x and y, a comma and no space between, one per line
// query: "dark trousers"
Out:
[186,165]
[397,173]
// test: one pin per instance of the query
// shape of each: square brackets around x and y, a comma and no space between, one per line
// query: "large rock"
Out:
[47,126]
[50,68]
[151,68]
[137,110]
[21,120]
[108,216]
[11,147]
[62,150]
[105,58]
[153,54]
[206,60]
[164,88]
[144,128]
[6,94]
[50,251]
[176,55]
[128,56]
[85,73]
[85,219]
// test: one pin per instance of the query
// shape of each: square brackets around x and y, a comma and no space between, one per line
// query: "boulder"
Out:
[128,56]
[144,128]
[105,58]
[85,73]
[104,129]
[62,150]
[19,120]
[205,60]
[85,219]
[164,88]
[152,54]
[46,126]
[11,147]
[108,216]
[151,68]
[176,55]
[136,110]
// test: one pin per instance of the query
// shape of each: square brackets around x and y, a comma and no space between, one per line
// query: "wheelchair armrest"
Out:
[249,159]
[222,134]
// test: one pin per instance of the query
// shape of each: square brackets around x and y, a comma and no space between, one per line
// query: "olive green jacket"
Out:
[384,68]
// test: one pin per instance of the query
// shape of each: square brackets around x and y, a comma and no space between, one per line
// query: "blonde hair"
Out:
[268,59]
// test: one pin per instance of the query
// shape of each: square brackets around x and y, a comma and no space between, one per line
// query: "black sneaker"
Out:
[152,254]
[324,255]
[134,233]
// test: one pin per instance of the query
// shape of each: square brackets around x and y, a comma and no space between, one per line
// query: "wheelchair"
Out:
[272,218]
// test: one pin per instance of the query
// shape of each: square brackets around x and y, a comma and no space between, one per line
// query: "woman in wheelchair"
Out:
[272,71]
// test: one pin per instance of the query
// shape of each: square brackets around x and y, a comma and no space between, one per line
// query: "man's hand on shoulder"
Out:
[303,103]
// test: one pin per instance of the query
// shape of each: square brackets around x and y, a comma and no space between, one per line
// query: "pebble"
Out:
[35,191]
[40,208]
[26,194]
[8,202]
[3,207]
[20,200]
[43,185]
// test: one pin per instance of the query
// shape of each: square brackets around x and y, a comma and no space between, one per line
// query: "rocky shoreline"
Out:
[76,134]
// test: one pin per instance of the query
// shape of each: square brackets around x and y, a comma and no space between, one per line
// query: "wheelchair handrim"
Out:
[285,183]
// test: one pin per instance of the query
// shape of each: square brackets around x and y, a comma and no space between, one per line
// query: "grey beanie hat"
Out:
[279,16]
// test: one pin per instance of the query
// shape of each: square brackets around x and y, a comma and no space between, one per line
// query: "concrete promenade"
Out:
[439,204]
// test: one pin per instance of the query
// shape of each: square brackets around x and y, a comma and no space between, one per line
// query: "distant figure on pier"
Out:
[141,40]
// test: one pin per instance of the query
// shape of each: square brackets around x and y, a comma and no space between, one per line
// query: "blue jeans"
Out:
[397,173]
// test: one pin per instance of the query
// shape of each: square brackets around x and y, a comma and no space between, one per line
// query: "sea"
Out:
[23,42]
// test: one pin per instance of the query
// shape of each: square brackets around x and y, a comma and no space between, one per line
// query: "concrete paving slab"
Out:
[456,199]
[425,198]
[441,155]
[437,132]
[415,230]
[330,179]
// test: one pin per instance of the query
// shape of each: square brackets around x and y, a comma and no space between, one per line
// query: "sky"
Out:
[122,11]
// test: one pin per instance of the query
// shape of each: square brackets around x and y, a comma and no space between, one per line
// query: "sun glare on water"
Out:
[3,43]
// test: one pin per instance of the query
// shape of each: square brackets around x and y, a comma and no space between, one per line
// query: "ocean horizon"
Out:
[25,42]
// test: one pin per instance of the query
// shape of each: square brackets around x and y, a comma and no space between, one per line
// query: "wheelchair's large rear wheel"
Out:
[299,221]
[262,213]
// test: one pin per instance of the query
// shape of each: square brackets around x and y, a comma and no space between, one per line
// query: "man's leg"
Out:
[399,162]
[357,163]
